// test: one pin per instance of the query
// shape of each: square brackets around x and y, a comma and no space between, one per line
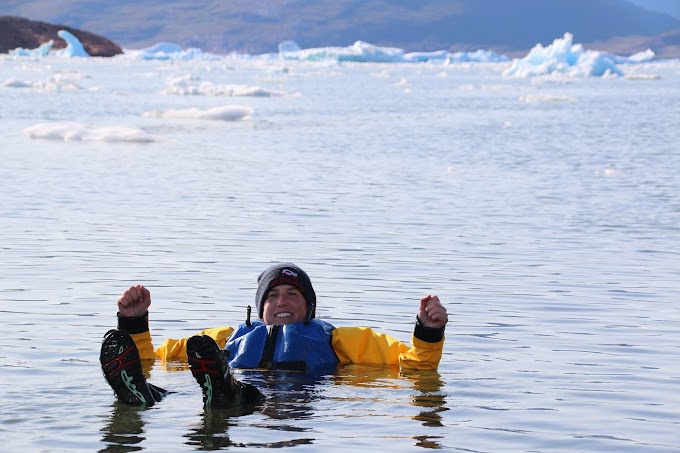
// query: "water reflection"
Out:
[429,396]
[290,404]
[426,393]
[213,433]
[124,431]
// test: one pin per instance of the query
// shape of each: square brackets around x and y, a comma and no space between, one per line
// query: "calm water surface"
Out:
[543,213]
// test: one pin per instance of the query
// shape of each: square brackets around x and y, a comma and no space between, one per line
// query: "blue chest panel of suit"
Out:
[300,346]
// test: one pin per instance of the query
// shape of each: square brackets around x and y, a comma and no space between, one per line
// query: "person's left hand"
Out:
[432,313]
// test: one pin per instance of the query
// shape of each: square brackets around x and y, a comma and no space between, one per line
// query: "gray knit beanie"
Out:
[285,274]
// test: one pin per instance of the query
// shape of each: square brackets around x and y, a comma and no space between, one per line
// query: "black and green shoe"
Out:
[122,369]
[208,364]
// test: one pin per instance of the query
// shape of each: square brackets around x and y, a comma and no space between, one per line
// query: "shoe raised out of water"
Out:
[122,369]
[209,366]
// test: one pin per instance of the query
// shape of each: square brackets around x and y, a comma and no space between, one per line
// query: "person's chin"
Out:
[284,321]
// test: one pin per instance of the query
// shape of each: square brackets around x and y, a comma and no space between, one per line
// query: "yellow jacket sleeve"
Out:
[364,345]
[144,345]
[177,349]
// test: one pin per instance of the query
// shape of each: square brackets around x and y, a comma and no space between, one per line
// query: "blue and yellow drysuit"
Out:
[300,346]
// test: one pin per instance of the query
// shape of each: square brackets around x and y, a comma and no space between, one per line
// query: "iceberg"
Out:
[563,57]
[169,51]
[288,47]
[163,48]
[41,51]
[364,52]
[360,51]
[478,56]
[74,47]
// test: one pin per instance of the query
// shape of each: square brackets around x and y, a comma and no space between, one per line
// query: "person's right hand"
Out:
[134,302]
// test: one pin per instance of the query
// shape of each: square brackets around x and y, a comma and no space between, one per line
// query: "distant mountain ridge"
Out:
[670,7]
[507,27]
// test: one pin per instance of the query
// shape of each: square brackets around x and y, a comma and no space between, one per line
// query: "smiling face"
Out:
[284,304]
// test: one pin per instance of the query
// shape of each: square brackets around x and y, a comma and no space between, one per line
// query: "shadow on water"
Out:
[291,398]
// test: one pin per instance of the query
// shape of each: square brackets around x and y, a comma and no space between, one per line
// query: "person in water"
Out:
[287,336]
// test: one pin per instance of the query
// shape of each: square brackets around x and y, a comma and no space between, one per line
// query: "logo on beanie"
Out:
[289,272]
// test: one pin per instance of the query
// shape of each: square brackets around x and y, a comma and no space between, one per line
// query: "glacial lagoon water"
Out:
[544,212]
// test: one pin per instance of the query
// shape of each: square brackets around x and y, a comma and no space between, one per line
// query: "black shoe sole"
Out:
[209,367]
[122,369]
[211,371]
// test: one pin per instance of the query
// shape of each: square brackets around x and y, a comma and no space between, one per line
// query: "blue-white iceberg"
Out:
[74,48]
[169,51]
[365,52]
[563,57]
[41,51]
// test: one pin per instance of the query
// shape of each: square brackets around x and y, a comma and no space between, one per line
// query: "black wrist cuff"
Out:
[132,325]
[429,334]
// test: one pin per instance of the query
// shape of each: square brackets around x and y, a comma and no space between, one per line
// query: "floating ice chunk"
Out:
[609,171]
[364,52]
[55,83]
[478,56]
[163,47]
[641,76]
[360,51]
[191,85]
[73,48]
[287,47]
[535,99]
[224,113]
[16,83]
[404,85]
[72,131]
[41,51]
[637,58]
[563,57]
[168,51]
[421,57]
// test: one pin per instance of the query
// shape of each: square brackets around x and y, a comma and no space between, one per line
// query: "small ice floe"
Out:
[536,99]
[73,131]
[193,86]
[223,113]
[16,83]
[641,76]
[287,47]
[57,82]
[609,171]
[404,85]
[381,75]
